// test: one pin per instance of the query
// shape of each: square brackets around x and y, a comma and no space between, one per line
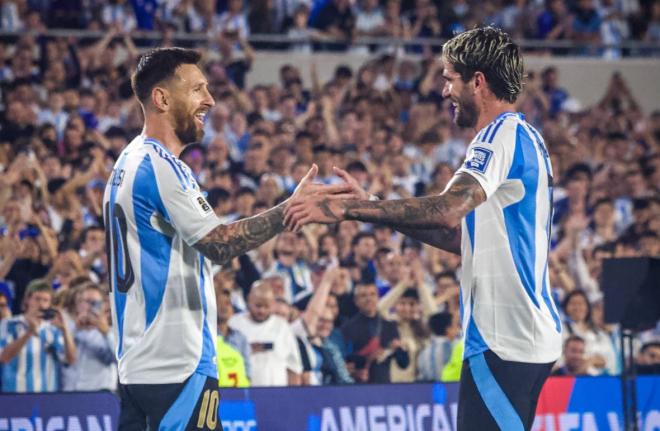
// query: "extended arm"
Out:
[225,242]
[445,210]
[417,216]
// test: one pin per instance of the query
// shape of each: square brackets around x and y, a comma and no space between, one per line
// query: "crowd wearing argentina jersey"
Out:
[496,212]
[162,237]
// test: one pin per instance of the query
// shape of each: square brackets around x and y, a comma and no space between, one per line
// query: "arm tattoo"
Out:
[444,211]
[225,242]
[446,238]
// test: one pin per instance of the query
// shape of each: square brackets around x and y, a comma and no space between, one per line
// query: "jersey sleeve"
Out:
[489,163]
[181,201]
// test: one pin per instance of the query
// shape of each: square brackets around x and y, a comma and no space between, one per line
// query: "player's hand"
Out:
[316,203]
[320,208]
[356,189]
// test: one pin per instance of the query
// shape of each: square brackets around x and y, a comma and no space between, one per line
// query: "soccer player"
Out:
[496,213]
[162,236]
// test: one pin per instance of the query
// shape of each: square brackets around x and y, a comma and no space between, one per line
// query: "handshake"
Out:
[319,203]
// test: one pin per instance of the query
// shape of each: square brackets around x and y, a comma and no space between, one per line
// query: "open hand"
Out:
[317,203]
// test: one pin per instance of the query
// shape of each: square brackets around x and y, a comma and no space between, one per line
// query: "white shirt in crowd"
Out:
[269,367]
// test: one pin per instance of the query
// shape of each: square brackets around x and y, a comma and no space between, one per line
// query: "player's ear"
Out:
[479,80]
[160,98]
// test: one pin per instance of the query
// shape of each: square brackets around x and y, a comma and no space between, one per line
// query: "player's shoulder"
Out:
[501,130]
[165,164]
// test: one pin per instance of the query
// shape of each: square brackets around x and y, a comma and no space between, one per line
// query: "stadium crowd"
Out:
[337,304]
[333,24]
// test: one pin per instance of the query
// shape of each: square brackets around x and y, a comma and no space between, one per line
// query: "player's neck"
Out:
[157,128]
[490,110]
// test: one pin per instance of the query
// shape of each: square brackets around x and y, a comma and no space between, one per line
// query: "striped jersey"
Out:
[506,304]
[37,366]
[163,302]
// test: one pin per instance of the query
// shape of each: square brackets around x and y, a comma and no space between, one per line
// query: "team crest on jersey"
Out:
[479,159]
[201,204]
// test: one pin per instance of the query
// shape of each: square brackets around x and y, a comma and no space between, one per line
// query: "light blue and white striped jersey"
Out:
[163,302]
[505,290]
[37,366]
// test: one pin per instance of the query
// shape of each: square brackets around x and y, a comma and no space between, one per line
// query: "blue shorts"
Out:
[191,405]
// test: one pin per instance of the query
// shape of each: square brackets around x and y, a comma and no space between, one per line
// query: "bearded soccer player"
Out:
[162,236]
[496,214]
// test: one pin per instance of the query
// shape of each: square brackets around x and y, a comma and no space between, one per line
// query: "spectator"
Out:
[372,342]
[233,22]
[554,22]
[119,15]
[35,345]
[289,265]
[574,359]
[598,349]
[555,94]
[301,31]
[363,251]
[5,302]
[92,251]
[232,347]
[648,360]
[369,20]
[274,355]
[586,25]
[445,328]
[336,21]
[95,365]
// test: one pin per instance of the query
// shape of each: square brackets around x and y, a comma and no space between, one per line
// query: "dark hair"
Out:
[360,236]
[572,338]
[649,345]
[87,230]
[439,322]
[603,201]
[159,65]
[490,51]
[217,194]
[567,299]
[447,273]
[356,165]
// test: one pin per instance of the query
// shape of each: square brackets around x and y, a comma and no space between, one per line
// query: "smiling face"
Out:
[190,103]
[466,111]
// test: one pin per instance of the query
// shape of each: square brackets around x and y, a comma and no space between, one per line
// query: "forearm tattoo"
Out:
[225,242]
[433,212]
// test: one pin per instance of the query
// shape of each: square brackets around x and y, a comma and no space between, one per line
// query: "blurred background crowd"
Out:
[337,304]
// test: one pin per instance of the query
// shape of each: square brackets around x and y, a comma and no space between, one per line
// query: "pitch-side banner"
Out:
[80,411]
[566,404]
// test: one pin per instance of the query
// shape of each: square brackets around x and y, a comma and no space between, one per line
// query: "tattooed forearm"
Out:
[225,242]
[433,212]
[446,238]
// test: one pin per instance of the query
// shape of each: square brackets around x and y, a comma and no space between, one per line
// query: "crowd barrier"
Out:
[566,404]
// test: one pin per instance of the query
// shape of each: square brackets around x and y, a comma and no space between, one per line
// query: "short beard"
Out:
[468,113]
[186,130]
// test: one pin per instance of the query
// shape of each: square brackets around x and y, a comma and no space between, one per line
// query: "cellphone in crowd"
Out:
[267,346]
[30,231]
[48,313]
